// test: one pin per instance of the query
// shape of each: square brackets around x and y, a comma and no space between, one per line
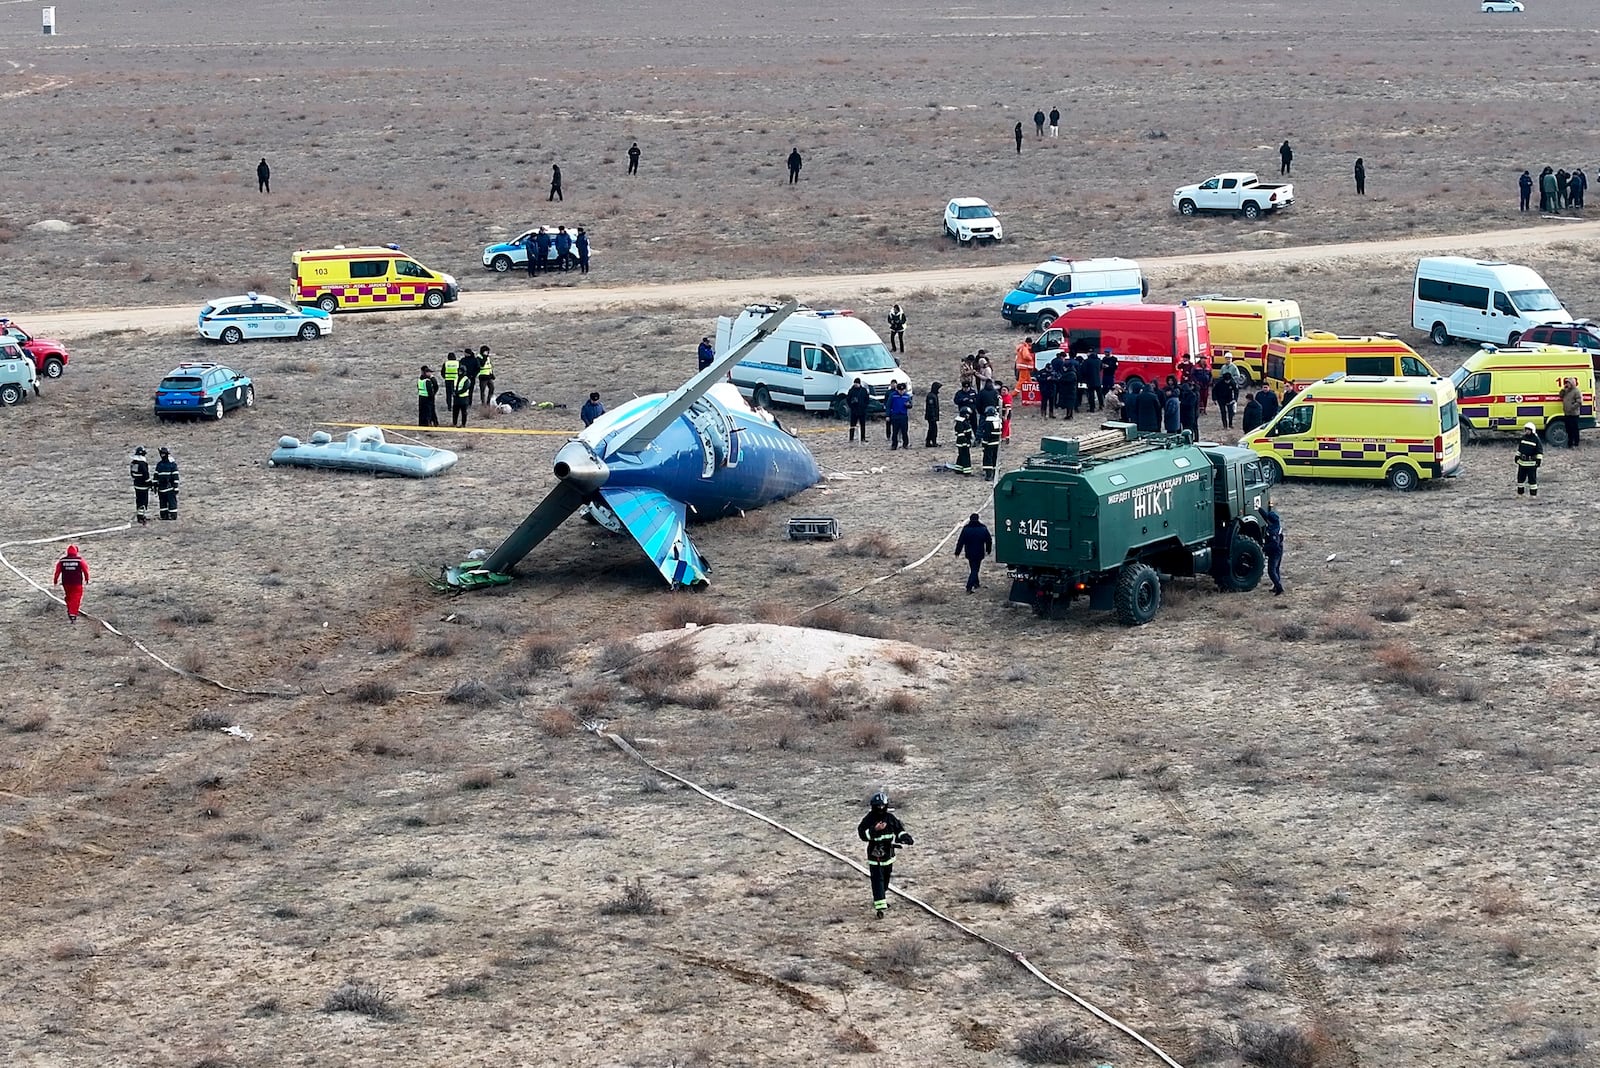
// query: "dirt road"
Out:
[813,288]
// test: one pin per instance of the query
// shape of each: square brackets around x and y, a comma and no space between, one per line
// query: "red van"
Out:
[1148,340]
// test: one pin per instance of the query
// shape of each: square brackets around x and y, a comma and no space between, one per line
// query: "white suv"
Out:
[17,374]
[969,219]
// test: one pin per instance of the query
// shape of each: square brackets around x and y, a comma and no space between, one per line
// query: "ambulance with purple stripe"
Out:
[380,276]
[1402,431]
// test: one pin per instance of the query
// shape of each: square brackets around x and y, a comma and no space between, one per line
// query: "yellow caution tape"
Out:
[410,429]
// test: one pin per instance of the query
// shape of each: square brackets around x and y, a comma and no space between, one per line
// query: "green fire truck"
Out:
[1105,515]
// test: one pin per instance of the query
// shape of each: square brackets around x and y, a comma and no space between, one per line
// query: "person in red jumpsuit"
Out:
[72,575]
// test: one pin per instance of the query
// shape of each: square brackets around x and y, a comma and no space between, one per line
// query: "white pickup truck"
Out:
[1240,192]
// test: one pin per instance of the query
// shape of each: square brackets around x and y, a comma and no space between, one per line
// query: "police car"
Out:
[506,255]
[203,389]
[231,320]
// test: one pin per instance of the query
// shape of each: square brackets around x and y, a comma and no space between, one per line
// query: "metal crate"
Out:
[813,528]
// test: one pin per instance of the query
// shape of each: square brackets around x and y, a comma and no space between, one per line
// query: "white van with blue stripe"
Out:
[1061,282]
[810,361]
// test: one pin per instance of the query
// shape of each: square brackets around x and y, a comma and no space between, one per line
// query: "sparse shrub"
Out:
[208,720]
[654,675]
[442,647]
[1394,613]
[704,698]
[1497,901]
[1273,1046]
[907,660]
[1055,1043]
[190,616]
[467,986]
[477,779]
[76,949]
[901,703]
[875,544]
[929,593]
[473,693]
[868,734]
[396,637]
[194,660]
[894,754]
[555,723]
[412,869]
[635,900]
[1563,1041]
[1293,632]
[373,691]
[904,955]
[1509,948]
[378,745]
[1468,690]
[592,700]
[850,1040]
[1402,665]
[360,996]
[1018,673]
[539,653]
[34,721]
[992,891]
[617,655]
[822,701]
[1258,976]
[262,1009]
[1387,948]
[685,608]
[834,618]
[1251,756]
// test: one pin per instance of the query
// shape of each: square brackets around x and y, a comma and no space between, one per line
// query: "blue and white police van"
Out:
[1061,282]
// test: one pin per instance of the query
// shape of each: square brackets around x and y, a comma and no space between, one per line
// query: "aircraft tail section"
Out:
[658,524]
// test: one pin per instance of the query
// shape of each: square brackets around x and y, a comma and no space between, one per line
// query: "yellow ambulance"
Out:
[339,278]
[1402,431]
[1243,326]
[1300,361]
[1505,389]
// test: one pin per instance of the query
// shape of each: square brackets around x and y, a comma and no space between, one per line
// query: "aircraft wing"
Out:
[657,523]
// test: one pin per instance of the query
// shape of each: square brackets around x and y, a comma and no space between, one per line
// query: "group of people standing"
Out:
[462,377]
[72,570]
[1558,189]
[571,250]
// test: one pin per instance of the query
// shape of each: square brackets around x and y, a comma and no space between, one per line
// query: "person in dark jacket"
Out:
[1055,122]
[1045,378]
[539,254]
[555,184]
[1171,412]
[1189,409]
[467,374]
[167,480]
[427,390]
[1563,194]
[263,176]
[1146,408]
[897,329]
[991,431]
[1091,381]
[930,412]
[1361,177]
[1226,396]
[1530,454]
[563,248]
[1525,189]
[633,158]
[1269,404]
[592,409]
[1067,386]
[859,400]
[1252,416]
[1272,542]
[988,397]
[139,472]
[1286,155]
[581,243]
[795,163]
[1018,133]
[485,374]
[1108,374]
[976,544]
[884,833]
[964,432]
[898,405]
[1038,124]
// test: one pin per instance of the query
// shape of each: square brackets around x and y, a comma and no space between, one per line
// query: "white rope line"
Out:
[1014,954]
[137,644]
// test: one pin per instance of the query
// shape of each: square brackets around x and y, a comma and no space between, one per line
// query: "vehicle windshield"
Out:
[865,358]
[1036,282]
[1534,300]
[974,211]
[177,382]
[1284,328]
[1459,376]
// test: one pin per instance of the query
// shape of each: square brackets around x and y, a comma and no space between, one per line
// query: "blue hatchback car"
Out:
[203,390]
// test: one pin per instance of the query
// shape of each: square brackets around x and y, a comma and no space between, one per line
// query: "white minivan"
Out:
[1481,300]
[810,361]
[1061,282]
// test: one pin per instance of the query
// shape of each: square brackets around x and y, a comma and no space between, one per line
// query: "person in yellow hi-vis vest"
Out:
[449,371]
[485,374]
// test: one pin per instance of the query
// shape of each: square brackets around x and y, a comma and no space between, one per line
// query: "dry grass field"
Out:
[1349,826]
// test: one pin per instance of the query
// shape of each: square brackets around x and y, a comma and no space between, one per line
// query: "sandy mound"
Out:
[748,654]
[52,226]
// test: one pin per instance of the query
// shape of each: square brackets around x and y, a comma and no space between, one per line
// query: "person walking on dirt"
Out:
[1272,542]
[167,479]
[1225,391]
[581,243]
[1530,454]
[263,176]
[975,543]
[427,389]
[592,409]
[1018,134]
[897,329]
[963,464]
[633,158]
[1525,188]
[555,184]
[992,432]
[930,412]
[1055,122]
[1571,409]
[884,833]
[72,575]
[139,472]
[795,163]
[1286,155]
[1038,124]
[1361,177]
[859,400]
